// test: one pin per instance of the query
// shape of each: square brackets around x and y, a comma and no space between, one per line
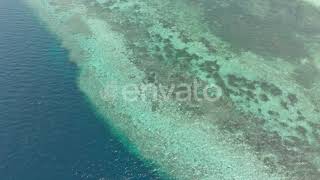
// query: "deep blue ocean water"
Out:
[48,131]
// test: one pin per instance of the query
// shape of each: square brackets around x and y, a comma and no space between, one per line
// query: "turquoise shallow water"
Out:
[257,63]
[48,130]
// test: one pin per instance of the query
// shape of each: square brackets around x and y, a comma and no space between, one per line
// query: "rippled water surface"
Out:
[47,129]
[254,64]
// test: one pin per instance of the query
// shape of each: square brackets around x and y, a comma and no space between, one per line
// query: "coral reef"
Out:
[262,54]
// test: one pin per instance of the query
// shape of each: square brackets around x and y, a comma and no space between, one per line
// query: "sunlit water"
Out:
[262,55]
[47,129]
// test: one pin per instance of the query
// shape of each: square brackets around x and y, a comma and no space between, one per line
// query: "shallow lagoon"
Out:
[263,55]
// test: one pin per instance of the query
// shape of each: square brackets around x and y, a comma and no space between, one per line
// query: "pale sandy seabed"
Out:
[314,2]
[264,54]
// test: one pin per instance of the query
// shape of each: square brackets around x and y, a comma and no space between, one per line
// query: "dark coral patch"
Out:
[293,99]
[271,88]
